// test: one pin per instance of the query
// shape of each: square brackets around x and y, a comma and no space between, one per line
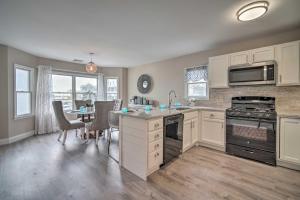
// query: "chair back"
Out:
[113,119]
[118,104]
[79,103]
[63,123]
[102,109]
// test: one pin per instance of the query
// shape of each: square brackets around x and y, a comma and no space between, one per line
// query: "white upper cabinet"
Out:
[287,57]
[263,54]
[218,71]
[240,58]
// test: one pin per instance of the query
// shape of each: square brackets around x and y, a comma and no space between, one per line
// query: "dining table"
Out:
[83,114]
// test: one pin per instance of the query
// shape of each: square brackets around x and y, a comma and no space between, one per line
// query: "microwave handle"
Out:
[265,72]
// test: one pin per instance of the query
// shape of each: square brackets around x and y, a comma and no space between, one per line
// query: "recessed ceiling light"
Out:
[252,11]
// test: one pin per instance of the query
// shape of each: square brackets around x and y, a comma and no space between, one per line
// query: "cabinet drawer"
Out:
[190,115]
[213,115]
[155,146]
[155,159]
[155,124]
[155,135]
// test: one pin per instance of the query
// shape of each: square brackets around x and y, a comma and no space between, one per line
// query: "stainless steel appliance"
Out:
[251,128]
[255,74]
[173,135]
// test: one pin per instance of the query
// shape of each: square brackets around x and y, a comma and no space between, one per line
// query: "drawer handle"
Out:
[156,146]
[156,125]
[156,136]
[157,154]
[212,115]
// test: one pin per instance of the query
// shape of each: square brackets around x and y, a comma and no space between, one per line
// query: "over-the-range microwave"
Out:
[255,74]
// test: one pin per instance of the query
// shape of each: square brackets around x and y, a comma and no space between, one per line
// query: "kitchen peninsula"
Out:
[141,141]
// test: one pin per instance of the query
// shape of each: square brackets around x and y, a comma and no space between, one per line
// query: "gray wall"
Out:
[4,130]
[169,74]
[18,126]
[9,56]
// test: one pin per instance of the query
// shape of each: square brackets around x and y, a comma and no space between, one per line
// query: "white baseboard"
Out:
[16,138]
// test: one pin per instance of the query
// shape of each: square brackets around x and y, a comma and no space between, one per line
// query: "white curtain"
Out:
[45,121]
[100,91]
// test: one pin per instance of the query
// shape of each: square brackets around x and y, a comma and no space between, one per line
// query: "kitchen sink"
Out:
[182,108]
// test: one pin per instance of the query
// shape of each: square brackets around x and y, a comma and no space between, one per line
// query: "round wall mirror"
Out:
[144,83]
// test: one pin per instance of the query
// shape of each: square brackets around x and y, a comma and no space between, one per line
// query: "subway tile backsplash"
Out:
[287,98]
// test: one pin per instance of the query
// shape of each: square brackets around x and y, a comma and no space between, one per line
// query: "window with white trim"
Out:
[62,90]
[196,83]
[86,88]
[23,91]
[111,88]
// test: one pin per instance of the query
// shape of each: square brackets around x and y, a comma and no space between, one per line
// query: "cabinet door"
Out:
[218,71]
[240,58]
[187,134]
[289,140]
[195,130]
[287,56]
[263,54]
[213,132]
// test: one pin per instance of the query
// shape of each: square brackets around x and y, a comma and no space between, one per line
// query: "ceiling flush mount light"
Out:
[91,67]
[252,11]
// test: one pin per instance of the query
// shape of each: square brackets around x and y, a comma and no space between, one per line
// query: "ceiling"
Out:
[126,33]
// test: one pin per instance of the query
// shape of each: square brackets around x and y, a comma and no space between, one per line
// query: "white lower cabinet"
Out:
[289,140]
[213,129]
[190,130]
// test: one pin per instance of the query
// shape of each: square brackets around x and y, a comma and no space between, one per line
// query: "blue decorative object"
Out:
[162,106]
[124,110]
[148,108]
[177,104]
[82,109]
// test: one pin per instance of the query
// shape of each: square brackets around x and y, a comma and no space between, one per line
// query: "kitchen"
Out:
[257,125]
[139,99]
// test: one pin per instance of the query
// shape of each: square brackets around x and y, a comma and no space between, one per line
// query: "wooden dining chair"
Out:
[65,124]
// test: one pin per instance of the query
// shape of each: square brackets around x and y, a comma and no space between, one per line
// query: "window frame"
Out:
[84,76]
[74,75]
[31,91]
[105,86]
[186,84]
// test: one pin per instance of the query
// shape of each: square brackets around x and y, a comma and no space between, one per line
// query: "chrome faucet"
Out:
[170,100]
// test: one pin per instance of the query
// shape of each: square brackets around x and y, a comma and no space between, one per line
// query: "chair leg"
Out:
[109,140]
[97,137]
[60,134]
[76,132]
[65,137]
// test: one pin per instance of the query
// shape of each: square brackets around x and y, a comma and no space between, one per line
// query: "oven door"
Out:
[251,133]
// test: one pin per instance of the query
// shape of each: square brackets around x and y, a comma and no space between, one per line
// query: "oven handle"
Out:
[255,120]
[250,119]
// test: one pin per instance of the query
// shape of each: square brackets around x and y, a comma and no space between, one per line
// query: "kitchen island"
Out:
[141,135]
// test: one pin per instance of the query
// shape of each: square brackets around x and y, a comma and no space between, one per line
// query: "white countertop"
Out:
[156,113]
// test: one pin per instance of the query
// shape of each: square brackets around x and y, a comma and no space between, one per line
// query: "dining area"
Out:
[90,121]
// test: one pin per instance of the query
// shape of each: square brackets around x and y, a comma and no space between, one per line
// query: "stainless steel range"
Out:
[251,128]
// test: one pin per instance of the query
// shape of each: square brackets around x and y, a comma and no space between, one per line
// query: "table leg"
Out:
[82,118]
[89,117]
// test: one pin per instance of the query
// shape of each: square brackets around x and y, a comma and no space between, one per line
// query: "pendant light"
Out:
[91,67]
[252,11]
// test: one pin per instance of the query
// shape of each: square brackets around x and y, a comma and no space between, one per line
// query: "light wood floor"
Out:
[41,168]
